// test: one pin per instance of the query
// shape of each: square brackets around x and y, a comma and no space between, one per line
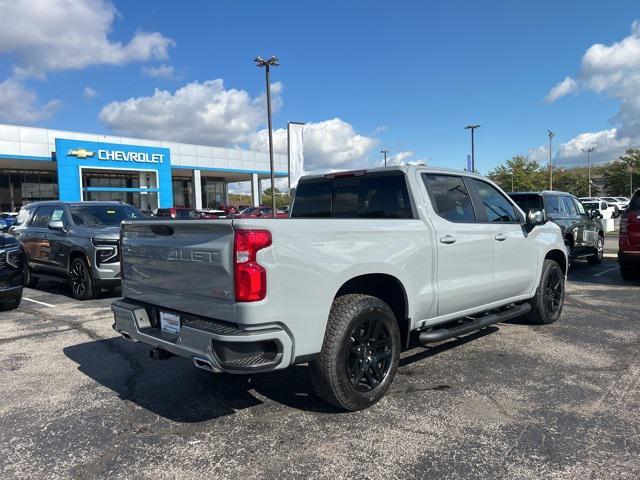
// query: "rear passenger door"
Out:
[35,244]
[515,251]
[464,246]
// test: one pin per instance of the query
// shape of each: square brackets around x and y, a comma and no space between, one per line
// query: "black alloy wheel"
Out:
[80,280]
[553,292]
[369,356]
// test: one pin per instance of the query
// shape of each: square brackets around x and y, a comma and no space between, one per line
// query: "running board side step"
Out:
[470,324]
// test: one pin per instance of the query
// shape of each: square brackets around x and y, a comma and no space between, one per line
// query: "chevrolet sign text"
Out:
[122,156]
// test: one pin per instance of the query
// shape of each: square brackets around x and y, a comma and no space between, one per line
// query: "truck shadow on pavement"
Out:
[174,389]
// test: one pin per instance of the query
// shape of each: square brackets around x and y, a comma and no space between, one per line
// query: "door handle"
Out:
[448,239]
[501,237]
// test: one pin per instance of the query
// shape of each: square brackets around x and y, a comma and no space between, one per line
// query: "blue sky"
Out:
[406,75]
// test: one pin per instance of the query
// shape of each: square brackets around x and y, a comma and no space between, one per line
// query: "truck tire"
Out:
[546,305]
[360,352]
[80,280]
[11,303]
[596,258]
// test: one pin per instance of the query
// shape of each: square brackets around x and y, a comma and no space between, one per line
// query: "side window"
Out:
[59,214]
[23,215]
[579,206]
[451,198]
[555,205]
[603,205]
[496,206]
[42,217]
[571,208]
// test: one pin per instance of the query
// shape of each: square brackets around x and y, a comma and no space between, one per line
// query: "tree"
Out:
[573,181]
[523,174]
[623,173]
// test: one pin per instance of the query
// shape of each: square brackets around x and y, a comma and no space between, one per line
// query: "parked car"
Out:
[369,260]
[582,229]
[600,207]
[629,239]
[619,205]
[73,241]
[606,210]
[260,212]
[182,213]
[12,267]
[211,214]
[9,218]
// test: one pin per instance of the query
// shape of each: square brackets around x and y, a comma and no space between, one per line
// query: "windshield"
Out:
[609,199]
[103,215]
[590,205]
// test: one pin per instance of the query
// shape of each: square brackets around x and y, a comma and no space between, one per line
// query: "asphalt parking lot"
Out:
[512,401]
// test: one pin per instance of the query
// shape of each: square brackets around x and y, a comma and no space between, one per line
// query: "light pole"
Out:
[473,147]
[551,135]
[512,179]
[588,152]
[384,152]
[272,62]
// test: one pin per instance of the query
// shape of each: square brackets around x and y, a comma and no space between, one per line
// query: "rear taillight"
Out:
[250,276]
[624,225]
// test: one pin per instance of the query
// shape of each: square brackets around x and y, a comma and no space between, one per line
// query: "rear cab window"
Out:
[372,195]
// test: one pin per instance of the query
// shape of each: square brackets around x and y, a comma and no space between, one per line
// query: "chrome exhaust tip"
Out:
[203,363]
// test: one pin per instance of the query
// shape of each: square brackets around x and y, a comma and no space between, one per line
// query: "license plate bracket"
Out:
[170,322]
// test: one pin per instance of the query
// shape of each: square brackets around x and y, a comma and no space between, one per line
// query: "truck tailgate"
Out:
[182,265]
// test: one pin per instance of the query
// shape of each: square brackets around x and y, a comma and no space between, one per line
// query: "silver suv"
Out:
[76,241]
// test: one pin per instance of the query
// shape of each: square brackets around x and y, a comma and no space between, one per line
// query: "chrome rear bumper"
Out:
[209,344]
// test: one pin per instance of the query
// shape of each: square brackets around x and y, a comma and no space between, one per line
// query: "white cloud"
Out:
[165,71]
[328,145]
[88,93]
[18,104]
[53,35]
[614,71]
[568,85]
[205,113]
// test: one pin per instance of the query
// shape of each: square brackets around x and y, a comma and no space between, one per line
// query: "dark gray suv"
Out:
[73,241]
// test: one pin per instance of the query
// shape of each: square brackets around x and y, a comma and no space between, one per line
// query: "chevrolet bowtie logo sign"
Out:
[81,153]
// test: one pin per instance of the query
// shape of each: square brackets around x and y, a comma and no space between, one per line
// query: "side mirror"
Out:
[595,213]
[56,225]
[4,226]
[536,217]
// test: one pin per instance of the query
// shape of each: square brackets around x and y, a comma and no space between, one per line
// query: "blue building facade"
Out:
[44,164]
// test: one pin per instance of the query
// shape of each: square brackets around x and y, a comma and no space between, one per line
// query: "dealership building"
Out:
[42,164]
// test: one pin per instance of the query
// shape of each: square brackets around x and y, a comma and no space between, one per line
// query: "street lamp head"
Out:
[551,134]
[588,150]
[261,62]
[472,127]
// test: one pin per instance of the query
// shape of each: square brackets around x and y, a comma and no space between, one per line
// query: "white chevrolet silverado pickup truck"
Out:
[369,263]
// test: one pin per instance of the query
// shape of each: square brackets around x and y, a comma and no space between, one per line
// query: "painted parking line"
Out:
[605,271]
[38,302]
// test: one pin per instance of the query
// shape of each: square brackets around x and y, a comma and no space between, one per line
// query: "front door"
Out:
[464,246]
[515,255]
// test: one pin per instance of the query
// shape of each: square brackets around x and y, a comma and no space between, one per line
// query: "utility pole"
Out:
[272,62]
[384,152]
[588,152]
[473,147]
[551,135]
